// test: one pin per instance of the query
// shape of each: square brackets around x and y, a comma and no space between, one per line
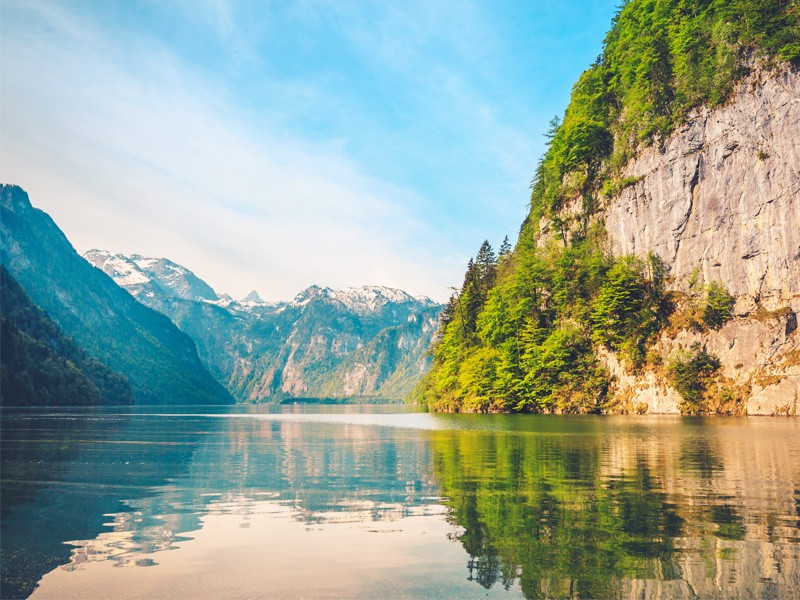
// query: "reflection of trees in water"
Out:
[605,516]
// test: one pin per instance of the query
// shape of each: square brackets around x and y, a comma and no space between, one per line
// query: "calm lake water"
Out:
[369,502]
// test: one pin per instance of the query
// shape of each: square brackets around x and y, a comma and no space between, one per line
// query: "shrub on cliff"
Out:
[691,373]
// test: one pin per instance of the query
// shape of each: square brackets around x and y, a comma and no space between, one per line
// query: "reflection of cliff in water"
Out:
[657,508]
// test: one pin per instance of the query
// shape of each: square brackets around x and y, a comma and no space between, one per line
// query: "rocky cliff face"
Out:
[719,201]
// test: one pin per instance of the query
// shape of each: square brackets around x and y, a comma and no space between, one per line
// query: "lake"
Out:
[383,501]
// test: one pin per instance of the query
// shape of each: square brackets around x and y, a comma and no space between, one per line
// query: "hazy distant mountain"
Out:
[366,341]
[253,297]
[160,362]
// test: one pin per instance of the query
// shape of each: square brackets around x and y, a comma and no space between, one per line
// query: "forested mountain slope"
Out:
[159,361]
[39,366]
[659,267]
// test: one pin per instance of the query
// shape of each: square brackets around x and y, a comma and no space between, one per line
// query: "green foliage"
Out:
[614,185]
[718,306]
[691,373]
[533,345]
[561,374]
[631,307]
[40,366]
[661,58]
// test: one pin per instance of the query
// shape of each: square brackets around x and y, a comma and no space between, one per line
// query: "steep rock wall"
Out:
[719,200]
[722,195]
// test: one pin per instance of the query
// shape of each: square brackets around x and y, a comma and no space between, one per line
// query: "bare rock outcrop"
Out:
[719,201]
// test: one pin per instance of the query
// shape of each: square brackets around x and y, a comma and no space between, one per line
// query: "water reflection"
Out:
[125,488]
[346,502]
[62,474]
[673,508]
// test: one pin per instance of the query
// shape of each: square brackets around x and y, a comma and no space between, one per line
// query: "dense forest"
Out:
[40,366]
[524,331]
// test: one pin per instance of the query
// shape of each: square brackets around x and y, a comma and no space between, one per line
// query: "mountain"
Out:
[369,341]
[151,277]
[253,297]
[40,366]
[659,267]
[159,361]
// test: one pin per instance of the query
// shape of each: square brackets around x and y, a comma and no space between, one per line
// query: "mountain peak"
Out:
[14,197]
[364,299]
[144,275]
[253,297]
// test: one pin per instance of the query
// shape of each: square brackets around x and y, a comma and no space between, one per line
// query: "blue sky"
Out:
[273,145]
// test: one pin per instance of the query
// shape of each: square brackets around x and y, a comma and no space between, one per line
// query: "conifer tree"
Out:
[486,261]
[505,248]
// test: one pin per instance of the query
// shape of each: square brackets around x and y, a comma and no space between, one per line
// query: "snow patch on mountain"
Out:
[142,275]
[362,300]
[122,271]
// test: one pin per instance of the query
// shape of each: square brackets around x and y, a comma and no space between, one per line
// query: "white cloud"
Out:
[145,156]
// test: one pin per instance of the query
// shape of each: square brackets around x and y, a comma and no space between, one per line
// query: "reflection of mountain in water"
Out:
[63,474]
[656,509]
[552,507]
[150,480]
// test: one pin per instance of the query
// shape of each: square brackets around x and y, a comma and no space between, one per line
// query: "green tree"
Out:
[718,306]
[505,248]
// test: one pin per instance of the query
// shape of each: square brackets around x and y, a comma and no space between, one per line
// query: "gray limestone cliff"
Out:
[718,201]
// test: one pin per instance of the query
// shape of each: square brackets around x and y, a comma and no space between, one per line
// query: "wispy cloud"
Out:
[156,164]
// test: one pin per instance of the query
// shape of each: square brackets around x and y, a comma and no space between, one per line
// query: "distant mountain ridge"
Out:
[159,361]
[364,341]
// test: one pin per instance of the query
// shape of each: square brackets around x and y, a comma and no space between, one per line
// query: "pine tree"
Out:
[486,261]
[505,248]
[448,312]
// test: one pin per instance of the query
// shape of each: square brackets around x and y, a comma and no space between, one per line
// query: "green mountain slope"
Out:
[160,361]
[532,330]
[39,366]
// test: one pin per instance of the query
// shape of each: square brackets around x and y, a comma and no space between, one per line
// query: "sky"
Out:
[274,145]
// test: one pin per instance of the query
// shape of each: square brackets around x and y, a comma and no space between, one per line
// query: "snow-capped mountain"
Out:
[149,277]
[362,300]
[362,341]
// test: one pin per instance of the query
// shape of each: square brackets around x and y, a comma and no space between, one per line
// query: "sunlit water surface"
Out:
[367,502]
